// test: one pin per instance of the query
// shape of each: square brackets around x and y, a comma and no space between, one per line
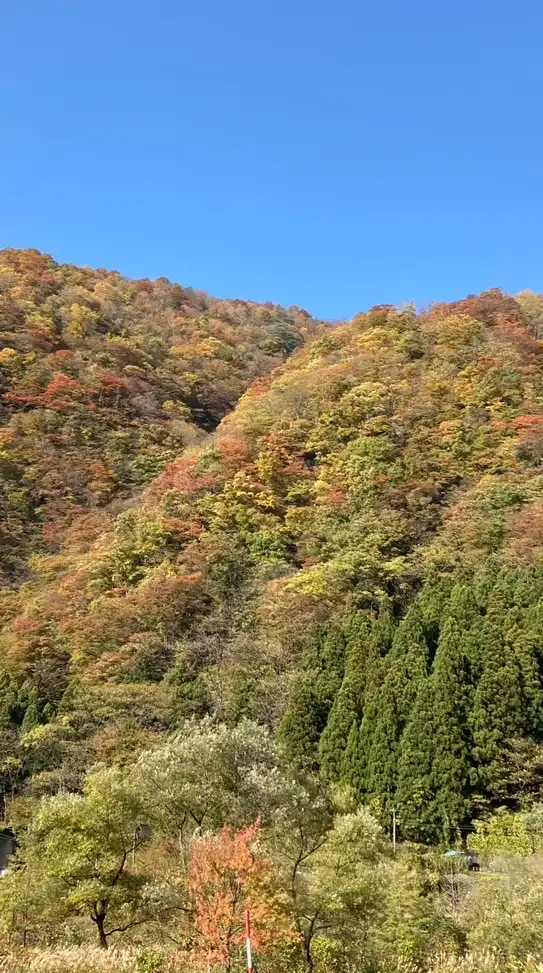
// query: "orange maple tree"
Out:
[228,873]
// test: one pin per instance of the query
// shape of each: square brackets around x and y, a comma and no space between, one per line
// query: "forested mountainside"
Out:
[104,381]
[260,571]
[352,556]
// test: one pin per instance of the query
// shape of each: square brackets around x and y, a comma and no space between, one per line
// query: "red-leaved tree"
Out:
[228,873]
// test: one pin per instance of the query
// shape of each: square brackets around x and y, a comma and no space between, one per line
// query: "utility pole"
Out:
[248,941]
[394,830]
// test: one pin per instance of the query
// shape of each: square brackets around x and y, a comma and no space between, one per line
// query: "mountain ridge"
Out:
[381,460]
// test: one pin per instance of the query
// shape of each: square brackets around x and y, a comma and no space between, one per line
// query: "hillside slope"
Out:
[103,381]
[354,554]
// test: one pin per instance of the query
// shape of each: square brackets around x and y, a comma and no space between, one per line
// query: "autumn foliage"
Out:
[229,874]
[192,491]
[103,381]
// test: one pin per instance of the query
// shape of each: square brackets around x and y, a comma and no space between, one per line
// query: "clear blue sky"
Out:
[325,153]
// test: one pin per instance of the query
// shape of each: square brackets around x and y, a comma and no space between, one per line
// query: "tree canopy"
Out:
[250,562]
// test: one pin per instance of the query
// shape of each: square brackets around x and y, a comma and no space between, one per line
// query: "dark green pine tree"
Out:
[507,702]
[533,629]
[433,602]
[32,715]
[352,768]
[452,766]
[313,696]
[10,713]
[362,636]
[345,713]
[453,690]
[365,668]
[485,582]
[501,597]
[435,773]
[304,720]
[405,668]
[526,640]
[529,587]
[415,794]
[383,630]
[357,629]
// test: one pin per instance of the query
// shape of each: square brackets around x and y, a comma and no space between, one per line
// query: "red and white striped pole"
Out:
[248,941]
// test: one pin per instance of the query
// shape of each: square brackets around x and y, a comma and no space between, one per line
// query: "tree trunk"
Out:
[307,954]
[100,918]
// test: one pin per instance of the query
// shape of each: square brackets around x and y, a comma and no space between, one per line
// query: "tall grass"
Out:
[91,960]
[487,962]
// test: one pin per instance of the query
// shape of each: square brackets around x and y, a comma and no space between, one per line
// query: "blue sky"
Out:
[328,154]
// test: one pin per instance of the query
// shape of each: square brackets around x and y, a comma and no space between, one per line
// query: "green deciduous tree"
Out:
[76,860]
[209,775]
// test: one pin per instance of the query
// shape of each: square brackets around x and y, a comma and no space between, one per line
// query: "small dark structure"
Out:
[460,861]
[8,845]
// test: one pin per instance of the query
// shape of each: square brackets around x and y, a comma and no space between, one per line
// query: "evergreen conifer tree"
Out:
[405,668]
[507,701]
[352,767]
[432,603]
[452,700]
[415,793]
[453,690]
[529,587]
[435,769]
[359,745]
[313,696]
[32,715]
[533,629]
[361,635]
[9,711]
[345,713]
[382,631]
[305,718]
[501,597]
